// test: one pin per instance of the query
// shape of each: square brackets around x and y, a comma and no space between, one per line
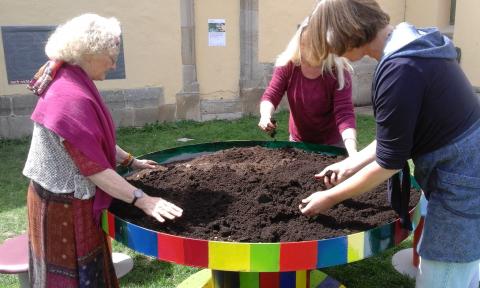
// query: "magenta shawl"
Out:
[72,108]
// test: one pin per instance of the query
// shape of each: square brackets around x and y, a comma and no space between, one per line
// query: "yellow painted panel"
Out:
[228,256]
[202,278]
[356,247]
[301,279]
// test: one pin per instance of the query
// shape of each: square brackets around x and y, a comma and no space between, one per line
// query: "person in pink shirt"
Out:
[319,94]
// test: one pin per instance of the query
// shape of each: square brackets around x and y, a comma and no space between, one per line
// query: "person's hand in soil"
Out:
[267,124]
[116,186]
[335,173]
[158,208]
[344,169]
[139,164]
[316,203]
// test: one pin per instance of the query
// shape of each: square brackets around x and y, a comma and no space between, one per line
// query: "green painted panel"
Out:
[265,257]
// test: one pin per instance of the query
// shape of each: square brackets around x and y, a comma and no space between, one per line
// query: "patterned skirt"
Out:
[67,248]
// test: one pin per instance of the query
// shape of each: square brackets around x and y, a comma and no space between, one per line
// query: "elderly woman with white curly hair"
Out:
[72,160]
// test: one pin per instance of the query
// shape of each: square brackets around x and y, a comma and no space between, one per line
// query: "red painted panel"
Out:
[171,248]
[111,224]
[269,280]
[298,256]
[196,252]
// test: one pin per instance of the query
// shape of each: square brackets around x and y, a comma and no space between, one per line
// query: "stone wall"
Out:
[137,107]
[133,107]
[362,78]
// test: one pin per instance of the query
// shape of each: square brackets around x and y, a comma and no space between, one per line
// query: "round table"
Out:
[236,264]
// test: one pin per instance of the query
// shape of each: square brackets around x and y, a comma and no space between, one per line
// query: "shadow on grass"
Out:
[146,271]
[149,272]
[376,271]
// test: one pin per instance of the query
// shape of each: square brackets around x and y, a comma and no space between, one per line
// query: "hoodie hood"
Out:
[407,40]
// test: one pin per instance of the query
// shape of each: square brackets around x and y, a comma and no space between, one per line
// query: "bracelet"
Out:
[131,162]
[127,161]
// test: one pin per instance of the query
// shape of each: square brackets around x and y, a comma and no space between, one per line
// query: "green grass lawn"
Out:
[373,272]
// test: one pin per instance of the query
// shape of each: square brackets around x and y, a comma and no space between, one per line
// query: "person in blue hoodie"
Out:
[425,110]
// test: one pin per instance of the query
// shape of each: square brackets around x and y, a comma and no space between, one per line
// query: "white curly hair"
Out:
[83,35]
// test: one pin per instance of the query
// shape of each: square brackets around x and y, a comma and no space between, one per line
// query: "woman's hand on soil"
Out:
[316,203]
[144,164]
[159,208]
[266,124]
[335,173]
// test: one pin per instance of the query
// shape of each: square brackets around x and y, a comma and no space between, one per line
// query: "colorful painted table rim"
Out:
[207,278]
[254,257]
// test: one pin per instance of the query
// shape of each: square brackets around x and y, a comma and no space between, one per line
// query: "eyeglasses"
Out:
[113,59]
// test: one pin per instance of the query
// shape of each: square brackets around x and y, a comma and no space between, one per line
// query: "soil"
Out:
[252,195]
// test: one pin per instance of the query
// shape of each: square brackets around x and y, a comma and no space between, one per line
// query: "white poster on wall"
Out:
[216,32]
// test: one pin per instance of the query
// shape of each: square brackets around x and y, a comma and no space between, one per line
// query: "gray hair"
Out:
[83,35]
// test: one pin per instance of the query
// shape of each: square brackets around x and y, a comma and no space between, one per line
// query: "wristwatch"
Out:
[137,193]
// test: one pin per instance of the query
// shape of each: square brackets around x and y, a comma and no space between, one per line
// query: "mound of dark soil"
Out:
[252,195]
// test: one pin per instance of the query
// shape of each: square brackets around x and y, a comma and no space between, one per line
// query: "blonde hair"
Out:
[293,53]
[342,25]
[83,35]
